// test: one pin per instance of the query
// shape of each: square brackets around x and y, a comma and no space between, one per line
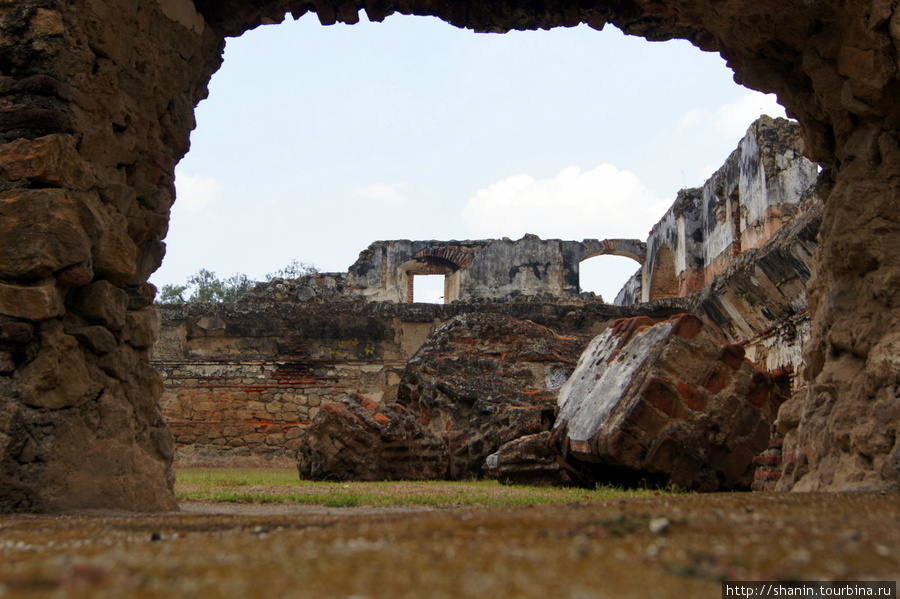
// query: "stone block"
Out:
[528,460]
[16,332]
[641,407]
[482,380]
[40,234]
[357,439]
[32,302]
[50,161]
[59,376]
[96,338]
[102,303]
[141,327]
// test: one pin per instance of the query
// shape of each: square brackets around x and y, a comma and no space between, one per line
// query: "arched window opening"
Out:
[606,275]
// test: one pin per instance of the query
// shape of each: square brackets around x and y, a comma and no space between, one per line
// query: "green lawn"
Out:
[247,485]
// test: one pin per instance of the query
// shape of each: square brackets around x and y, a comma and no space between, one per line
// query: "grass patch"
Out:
[244,485]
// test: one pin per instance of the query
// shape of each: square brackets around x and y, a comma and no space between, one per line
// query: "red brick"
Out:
[716,379]
[658,392]
[687,326]
[695,400]
[760,389]
[733,355]
[663,454]
[767,460]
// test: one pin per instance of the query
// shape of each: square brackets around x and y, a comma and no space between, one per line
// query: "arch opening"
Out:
[128,127]
[606,275]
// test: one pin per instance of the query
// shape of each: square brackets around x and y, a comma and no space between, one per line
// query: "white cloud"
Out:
[691,119]
[195,192]
[603,202]
[732,120]
[389,193]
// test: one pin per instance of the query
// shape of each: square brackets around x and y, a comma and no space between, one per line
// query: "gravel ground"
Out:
[665,546]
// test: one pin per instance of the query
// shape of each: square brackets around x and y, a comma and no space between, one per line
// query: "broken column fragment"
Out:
[357,439]
[482,380]
[665,404]
[529,460]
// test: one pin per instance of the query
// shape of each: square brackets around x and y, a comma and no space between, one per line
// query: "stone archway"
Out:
[96,101]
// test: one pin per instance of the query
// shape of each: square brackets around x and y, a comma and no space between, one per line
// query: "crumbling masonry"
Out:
[243,382]
[96,102]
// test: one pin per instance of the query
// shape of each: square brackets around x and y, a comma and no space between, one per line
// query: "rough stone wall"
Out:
[96,102]
[758,190]
[490,269]
[95,111]
[243,381]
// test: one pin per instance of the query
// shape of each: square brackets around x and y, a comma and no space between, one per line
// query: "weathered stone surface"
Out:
[50,161]
[141,327]
[668,404]
[34,302]
[96,338]
[16,332]
[115,253]
[482,380]
[123,77]
[528,460]
[102,303]
[59,377]
[40,233]
[357,439]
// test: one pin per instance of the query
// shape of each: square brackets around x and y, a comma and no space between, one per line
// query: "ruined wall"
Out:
[489,269]
[96,104]
[242,381]
[758,190]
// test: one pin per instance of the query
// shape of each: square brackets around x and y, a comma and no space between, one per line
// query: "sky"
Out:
[317,141]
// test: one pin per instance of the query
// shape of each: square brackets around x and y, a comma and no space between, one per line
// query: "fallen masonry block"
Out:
[528,460]
[665,404]
[482,380]
[357,439]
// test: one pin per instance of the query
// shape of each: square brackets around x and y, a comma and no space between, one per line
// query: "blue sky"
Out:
[316,141]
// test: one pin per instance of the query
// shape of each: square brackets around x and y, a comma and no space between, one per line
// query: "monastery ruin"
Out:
[97,108]
[244,381]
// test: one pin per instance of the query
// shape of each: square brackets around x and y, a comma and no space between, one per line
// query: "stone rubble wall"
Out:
[96,106]
[243,381]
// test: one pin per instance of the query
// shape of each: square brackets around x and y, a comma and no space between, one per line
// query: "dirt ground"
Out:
[664,546]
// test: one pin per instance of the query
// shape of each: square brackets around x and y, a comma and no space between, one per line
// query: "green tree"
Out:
[294,270]
[172,294]
[205,286]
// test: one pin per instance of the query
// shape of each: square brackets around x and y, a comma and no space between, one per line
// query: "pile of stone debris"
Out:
[645,402]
